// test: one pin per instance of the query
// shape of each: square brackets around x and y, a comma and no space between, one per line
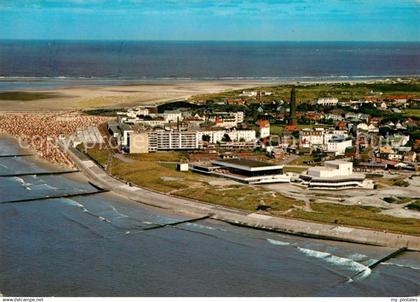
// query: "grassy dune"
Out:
[156,171]
[309,92]
[26,96]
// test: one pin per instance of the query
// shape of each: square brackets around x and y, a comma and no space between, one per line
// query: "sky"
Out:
[268,20]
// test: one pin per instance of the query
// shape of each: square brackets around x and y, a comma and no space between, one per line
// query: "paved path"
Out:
[242,218]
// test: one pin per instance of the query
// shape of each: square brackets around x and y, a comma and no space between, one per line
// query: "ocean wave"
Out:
[339,261]
[199,226]
[362,271]
[26,185]
[358,257]
[277,242]
[401,265]
[119,214]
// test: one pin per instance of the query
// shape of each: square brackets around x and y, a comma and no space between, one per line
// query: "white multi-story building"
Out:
[172,116]
[318,137]
[227,119]
[234,135]
[179,140]
[151,141]
[311,137]
[339,144]
[327,101]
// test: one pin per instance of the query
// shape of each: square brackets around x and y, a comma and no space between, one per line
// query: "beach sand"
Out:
[80,98]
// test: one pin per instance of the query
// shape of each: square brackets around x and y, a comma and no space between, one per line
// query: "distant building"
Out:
[226,119]
[217,136]
[338,145]
[318,137]
[182,167]
[172,116]
[264,128]
[327,101]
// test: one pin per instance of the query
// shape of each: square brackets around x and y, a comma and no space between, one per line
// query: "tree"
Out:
[206,138]
[226,138]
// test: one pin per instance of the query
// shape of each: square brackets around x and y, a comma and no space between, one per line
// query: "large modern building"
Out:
[243,170]
[159,140]
[334,175]
[134,141]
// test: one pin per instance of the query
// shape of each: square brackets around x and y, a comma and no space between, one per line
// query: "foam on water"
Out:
[72,202]
[121,215]
[401,265]
[200,226]
[277,242]
[43,186]
[336,260]
[25,184]
[358,257]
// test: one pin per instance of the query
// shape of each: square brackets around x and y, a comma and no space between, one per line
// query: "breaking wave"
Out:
[340,261]
[277,242]
[25,184]
[401,265]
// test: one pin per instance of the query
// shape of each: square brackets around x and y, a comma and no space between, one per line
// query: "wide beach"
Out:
[89,97]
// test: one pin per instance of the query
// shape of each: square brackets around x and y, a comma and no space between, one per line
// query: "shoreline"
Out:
[151,92]
[290,226]
[115,96]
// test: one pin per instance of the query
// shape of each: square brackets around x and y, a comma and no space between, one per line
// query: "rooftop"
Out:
[246,162]
[246,165]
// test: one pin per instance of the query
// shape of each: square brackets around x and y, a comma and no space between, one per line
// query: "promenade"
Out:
[238,217]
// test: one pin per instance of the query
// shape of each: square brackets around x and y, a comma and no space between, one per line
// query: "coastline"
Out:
[238,217]
[117,94]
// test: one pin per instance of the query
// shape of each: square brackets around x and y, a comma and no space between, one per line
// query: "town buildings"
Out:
[327,101]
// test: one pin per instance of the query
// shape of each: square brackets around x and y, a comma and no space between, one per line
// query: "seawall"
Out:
[238,217]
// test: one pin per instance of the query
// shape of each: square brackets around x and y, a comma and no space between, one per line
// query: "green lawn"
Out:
[368,217]
[26,96]
[412,112]
[156,171]
[309,92]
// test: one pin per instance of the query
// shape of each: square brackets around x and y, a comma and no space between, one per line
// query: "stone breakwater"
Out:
[238,217]
[40,131]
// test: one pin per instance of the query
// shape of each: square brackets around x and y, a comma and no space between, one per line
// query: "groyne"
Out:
[242,218]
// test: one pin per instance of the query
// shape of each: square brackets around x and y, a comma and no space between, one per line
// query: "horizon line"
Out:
[205,40]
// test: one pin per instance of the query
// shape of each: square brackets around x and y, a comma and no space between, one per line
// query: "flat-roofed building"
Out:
[175,140]
[161,140]
[334,175]
[243,170]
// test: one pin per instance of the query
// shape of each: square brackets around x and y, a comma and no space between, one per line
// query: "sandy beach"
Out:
[79,98]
